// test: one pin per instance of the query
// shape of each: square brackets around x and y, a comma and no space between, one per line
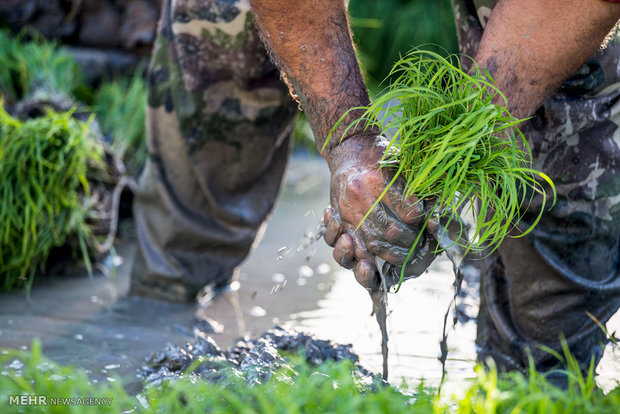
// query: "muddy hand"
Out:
[389,230]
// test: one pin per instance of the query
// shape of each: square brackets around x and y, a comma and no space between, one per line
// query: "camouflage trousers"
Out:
[218,125]
[542,287]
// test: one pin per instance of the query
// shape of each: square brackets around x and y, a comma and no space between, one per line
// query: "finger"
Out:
[361,252]
[333,229]
[408,209]
[422,257]
[395,252]
[394,255]
[383,224]
[366,274]
[344,251]
[433,225]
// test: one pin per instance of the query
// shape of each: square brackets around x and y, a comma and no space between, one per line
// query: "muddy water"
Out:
[379,309]
[94,324]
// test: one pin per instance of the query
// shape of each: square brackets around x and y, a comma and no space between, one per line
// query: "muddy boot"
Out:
[218,124]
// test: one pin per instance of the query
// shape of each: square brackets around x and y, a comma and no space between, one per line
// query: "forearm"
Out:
[531,46]
[311,44]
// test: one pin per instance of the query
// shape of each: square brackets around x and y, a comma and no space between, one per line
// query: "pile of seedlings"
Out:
[43,164]
[61,177]
[33,68]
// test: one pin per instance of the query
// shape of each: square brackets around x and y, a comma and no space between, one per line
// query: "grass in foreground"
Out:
[302,388]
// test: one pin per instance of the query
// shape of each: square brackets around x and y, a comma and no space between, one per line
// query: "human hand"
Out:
[392,227]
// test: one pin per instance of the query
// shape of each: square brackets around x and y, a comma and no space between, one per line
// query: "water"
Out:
[379,309]
[94,324]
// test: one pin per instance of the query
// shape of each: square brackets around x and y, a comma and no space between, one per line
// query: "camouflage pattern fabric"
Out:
[541,287]
[218,124]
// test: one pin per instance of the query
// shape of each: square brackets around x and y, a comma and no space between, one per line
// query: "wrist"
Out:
[333,139]
[355,149]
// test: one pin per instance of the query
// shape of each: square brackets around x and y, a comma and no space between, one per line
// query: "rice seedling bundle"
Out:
[43,191]
[455,147]
[29,61]
[120,106]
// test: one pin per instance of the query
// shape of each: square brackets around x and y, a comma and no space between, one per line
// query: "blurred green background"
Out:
[385,29]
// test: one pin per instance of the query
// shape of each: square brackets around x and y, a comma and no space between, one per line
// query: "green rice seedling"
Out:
[120,108]
[456,145]
[43,165]
[515,392]
[28,61]
[30,373]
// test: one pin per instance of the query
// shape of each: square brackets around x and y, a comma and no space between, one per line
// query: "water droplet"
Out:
[310,254]
[278,287]
[258,312]
[323,269]
[16,364]
[278,277]
[45,366]
[305,271]
[301,281]
[112,366]
[143,402]
[234,286]
[79,337]
[95,299]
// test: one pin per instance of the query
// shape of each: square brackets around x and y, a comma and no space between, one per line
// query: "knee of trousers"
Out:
[528,307]
[218,127]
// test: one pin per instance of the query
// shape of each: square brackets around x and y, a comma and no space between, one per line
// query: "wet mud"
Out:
[255,360]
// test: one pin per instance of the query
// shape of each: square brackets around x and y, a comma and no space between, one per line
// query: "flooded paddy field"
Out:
[93,323]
